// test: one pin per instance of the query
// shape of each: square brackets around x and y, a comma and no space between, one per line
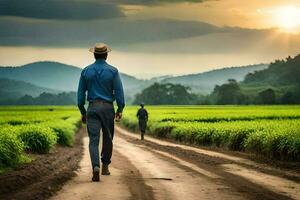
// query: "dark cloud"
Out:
[147,36]
[120,32]
[58,9]
[155,2]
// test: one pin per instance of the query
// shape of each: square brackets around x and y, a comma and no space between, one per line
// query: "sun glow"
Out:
[288,18]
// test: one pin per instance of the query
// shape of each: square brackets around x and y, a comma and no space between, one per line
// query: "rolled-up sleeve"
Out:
[81,94]
[119,92]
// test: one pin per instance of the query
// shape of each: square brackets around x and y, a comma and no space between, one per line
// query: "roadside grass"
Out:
[272,131]
[35,130]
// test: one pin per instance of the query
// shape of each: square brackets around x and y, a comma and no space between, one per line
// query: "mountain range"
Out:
[53,77]
[12,89]
[205,82]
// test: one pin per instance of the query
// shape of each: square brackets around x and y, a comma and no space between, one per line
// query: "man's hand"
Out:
[118,116]
[83,119]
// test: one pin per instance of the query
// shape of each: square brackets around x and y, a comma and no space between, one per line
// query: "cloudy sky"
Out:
[150,37]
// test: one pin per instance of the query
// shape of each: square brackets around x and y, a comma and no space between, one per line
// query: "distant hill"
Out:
[281,75]
[12,89]
[206,81]
[51,75]
[277,84]
[54,76]
[58,76]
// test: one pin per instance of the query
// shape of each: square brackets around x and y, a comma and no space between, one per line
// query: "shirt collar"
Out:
[100,61]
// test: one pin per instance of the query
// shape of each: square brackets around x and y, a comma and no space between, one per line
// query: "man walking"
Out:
[142,115]
[103,85]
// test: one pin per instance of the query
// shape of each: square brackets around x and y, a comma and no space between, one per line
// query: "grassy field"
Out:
[34,129]
[272,131]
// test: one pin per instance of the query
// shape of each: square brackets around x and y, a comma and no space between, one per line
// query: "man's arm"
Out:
[146,114]
[81,95]
[119,93]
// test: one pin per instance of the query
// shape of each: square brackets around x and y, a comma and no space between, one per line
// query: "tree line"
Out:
[277,84]
[64,98]
[229,93]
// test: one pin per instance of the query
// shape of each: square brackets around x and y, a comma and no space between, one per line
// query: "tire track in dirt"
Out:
[239,174]
[169,180]
[125,181]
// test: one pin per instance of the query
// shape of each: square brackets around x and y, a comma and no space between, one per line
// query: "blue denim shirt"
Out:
[101,81]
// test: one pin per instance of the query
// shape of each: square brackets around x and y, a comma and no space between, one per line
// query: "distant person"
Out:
[103,85]
[142,115]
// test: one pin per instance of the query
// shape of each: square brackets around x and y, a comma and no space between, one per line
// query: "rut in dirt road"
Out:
[155,169]
[125,181]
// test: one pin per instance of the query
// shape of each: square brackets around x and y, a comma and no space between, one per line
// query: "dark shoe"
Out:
[96,176]
[105,170]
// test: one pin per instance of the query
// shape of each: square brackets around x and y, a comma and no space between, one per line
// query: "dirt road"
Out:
[155,169]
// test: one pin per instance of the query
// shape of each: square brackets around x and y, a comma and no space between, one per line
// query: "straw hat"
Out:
[100,48]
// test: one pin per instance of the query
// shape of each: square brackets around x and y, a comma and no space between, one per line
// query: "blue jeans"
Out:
[100,115]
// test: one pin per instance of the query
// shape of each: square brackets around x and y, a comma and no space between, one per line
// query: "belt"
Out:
[100,101]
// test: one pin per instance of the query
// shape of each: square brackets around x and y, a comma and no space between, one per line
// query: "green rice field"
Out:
[35,130]
[272,131]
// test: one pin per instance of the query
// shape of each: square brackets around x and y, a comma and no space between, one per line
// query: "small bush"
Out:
[237,138]
[65,136]
[11,149]
[161,129]
[65,132]
[203,136]
[39,139]
[17,122]
[220,138]
[131,124]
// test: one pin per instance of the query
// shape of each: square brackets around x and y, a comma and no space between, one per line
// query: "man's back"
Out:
[142,114]
[101,81]
[100,77]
